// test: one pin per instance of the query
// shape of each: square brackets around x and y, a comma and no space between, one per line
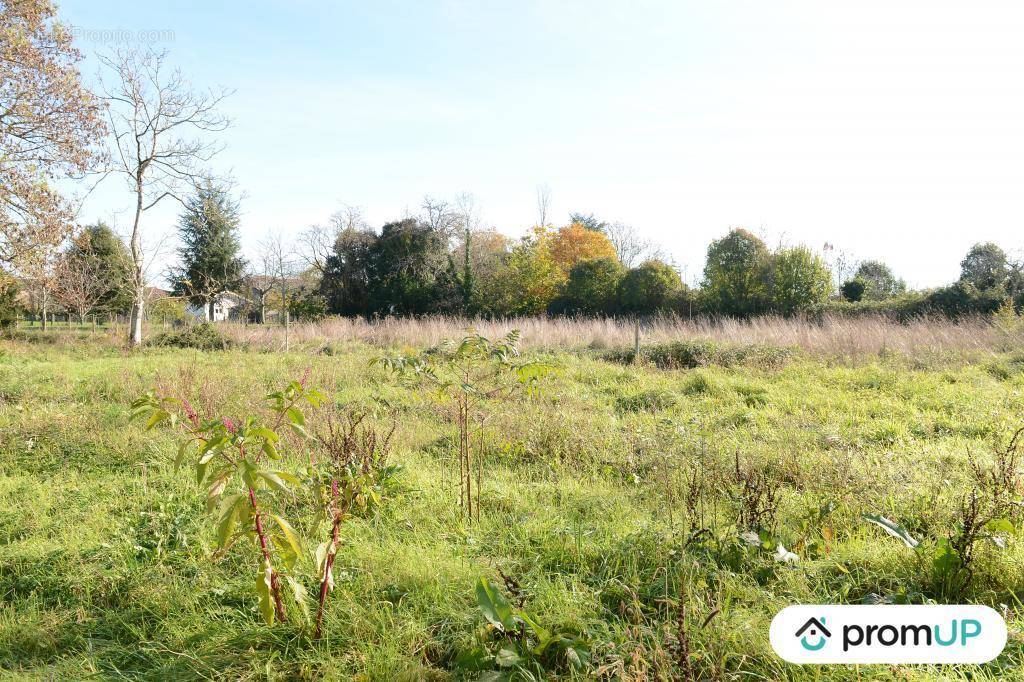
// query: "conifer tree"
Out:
[211,263]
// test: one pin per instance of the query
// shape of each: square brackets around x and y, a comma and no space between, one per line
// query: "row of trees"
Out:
[444,261]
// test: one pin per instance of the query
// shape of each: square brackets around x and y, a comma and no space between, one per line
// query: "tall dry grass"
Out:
[831,337]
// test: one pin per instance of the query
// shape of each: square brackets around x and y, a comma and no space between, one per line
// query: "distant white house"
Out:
[228,306]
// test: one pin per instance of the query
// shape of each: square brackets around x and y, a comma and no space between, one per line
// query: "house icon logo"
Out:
[813,634]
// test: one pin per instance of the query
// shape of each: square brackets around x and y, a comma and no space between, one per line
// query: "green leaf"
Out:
[290,478]
[301,597]
[893,529]
[540,633]
[228,516]
[182,452]
[264,433]
[289,534]
[271,450]
[507,657]
[157,417]
[324,550]
[248,473]
[215,490]
[274,479]
[201,468]
[210,448]
[295,416]
[1001,525]
[494,606]
[263,589]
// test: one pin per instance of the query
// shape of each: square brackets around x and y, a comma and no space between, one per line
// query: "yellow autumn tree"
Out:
[527,280]
[574,244]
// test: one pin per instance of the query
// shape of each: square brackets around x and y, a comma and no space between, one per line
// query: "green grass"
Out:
[105,566]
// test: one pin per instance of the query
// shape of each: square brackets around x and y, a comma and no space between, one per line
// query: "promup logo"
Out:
[888,634]
[817,629]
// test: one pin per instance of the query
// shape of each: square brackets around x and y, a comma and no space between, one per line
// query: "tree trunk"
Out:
[135,321]
[208,311]
[263,310]
[139,282]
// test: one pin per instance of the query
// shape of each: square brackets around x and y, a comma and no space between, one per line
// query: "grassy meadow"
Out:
[663,515]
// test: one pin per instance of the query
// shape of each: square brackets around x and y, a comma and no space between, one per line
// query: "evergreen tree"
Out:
[210,246]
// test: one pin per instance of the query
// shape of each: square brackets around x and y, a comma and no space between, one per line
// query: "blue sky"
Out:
[894,130]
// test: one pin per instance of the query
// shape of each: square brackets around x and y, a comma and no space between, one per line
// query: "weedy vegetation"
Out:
[491,508]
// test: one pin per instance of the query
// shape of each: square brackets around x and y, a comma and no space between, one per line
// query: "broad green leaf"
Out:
[263,589]
[540,633]
[323,550]
[494,606]
[228,516]
[264,433]
[290,478]
[182,452]
[285,554]
[271,450]
[249,473]
[1001,525]
[210,448]
[893,529]
[289,534]
[201,468]
[274,479]
[301,597]
[157,417]
[215,490]
[507,657]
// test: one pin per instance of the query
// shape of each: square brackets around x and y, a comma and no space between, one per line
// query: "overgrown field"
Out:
[625,504]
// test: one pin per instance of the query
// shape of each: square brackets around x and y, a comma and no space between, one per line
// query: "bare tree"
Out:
[40,278]
[840,262]
[150,108]
[262,276]
[282,264]
[318,240]
[440,216]
[630,247]
[543,204]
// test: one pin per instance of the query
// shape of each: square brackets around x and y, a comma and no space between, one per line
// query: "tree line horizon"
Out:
[443,261]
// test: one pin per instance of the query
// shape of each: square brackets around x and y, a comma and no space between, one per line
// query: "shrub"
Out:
[653,400]
[800,281]
[8,303]
[853,290]
[702,353]
[203,336]
[701,384]
[168,310]
[649,288]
